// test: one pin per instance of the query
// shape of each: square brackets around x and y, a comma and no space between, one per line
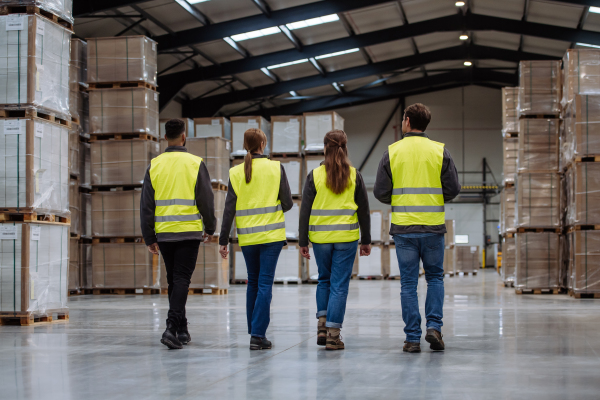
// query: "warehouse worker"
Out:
[334,204]
[176,192]
[257,196]
[416,176]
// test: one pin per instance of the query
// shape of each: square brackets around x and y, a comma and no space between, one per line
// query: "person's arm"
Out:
[205,200]
[285,193]
[308,197]
[450,185]
[361,198]
[147,208]
[383,183]
[228,215]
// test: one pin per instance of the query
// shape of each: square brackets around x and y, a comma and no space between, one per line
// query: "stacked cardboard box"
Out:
[213,127]
[450,247]
[539,87]
[316,125]
[371,266]
[581,74]
[123,266]
[538,144]
[121,162]
[468,259]
[63,9]
[287,134]
[510,111]
[509,260]
[239,125]
[538,260]
[584,263]
[511,153]
[507,210]
[189,127]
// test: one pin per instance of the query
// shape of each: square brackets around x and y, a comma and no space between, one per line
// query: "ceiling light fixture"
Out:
[339,53]
[588,45]
[287,64]
[313,21]
[595,10]
[459,3]
[196,1]
[468,63]
[463,37]
[256,34]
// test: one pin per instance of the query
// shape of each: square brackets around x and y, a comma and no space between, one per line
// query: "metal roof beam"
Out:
[88,7]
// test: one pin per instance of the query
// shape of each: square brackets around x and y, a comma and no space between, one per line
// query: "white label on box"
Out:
[153,46]
[140,291]
[39,130]
[12,127]
[228,145]
[8,232]
[473,249]
[14,23]
[155,96]
[36,232]
[41,27]
[216,122]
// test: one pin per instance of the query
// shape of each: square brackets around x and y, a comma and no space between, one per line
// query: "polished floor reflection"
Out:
[499,346]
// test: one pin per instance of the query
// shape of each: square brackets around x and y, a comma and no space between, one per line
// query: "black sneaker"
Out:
[257,343]
[434,338]
[169,338]
[183,335]
[410,347]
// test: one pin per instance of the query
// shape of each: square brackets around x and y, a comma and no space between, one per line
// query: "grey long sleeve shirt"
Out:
[384,186]
[361,198]
[285,197]
[204,201]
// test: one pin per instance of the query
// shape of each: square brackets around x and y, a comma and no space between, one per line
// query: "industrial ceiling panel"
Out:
[511,9]
[219,50]
[375,18]
[545,46]
[172,15]
[390,50]
[343,61]
[255,78]
[407,76]
[359,83]
[326,90]
[421,10]
[238,86]
[295,71]
[279,102]
[226,10]
[509,41]
[592,23]
[238,108]
[321,33]
[167,60]
[496,64]
[267,44]
[438,40]
[280,4]
[443,65]
[87,28]
[553,13]
[196,89]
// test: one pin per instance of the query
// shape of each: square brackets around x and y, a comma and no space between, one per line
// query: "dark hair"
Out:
[174,128]
[418,115]
[337,163]
[253,140]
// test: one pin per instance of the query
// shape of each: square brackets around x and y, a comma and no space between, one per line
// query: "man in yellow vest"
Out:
[416,176]
[177,204]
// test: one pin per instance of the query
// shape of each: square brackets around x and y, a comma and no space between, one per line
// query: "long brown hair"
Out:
[337,163]
[253,140]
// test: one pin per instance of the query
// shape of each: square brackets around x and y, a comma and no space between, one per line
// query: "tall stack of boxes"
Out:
[34,168]
[377,265]
[450,248]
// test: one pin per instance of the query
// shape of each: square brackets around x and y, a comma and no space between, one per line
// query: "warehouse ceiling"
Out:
[275,57]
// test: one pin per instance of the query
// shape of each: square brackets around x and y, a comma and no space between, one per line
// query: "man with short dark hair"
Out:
[416,176]
[176,199]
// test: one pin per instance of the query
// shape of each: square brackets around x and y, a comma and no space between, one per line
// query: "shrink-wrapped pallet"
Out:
[538,145]
[584,261]
[239,125]
[467,259]
[74,158]
[510,111]
[34,264]
[449,259]
[74,206]
[121,162]
[316,125]
[84,113]
[377,227]
[34,165]
[77,77]
[287,134]
[219,198]
[116,213]
[581,74]
[61,8]
[74,265]
[85,219]
[394,267]
[123,266]
[292,221]
[35,61]
[509,259]
[124,111]
[213,127]
[539,87]
[583,194]
[85,264]
[582,129]
[538,200]
[449,235]
[85,164]
[371,265]
[538,260]
[240,273]
[511,153]
[312,162]
[189,127]
[122,59]
[288,264]
[508,206]
[293,171]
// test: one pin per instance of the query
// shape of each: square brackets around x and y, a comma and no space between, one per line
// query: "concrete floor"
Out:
[499,346]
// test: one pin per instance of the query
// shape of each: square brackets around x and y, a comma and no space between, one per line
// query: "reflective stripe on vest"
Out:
[173,176]
[333,217]
[258,214]
[417,195]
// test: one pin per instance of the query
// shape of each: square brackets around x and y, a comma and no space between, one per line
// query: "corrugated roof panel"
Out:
[449,64]
[166,60]
[438,40]
[295,71]
[219,50]
[360,82]
[280,4]
[375,18]
[234,109]
[171,14]
[497,64]
[196,89]
[592,23]
[502,40]
[553,13]
[421,10]
[267,44]
[389,50]
[326,90]
[414,74]
[511,9]
[545,46]
[343,61]
[226,10]
[321,33]
[255,78]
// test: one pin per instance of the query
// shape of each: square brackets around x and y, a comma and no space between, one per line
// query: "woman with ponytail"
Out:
[334,205]
[257,196]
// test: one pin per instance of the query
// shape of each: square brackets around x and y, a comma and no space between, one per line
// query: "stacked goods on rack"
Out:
[316,125]
[509,259]
[286,138]
[212,127]
[538,262]
[539,88]
[510,110]
[59,11]
[239,125]
[377,265]
[450,248]
[468,260]
[511,152]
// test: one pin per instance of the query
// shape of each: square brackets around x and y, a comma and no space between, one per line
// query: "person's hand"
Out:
[304,252]
[153,248]
[205,237]
[365,250]
[224,250]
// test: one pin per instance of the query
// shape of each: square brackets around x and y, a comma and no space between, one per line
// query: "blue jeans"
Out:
[261,260]
[335,262]
[428,247]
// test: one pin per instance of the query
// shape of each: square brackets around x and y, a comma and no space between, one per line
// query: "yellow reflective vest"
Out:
[174,175]
[258,214]
[333,216]
[417,197]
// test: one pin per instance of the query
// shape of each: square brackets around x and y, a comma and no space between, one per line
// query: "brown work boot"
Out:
[321,331]
[434,338]
[334,339]
[411,347]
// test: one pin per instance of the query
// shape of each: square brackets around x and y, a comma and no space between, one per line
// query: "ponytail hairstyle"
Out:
[337,163]
[253,141]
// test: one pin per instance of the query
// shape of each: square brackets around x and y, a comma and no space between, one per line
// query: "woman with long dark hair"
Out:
[257,196]
[334,205]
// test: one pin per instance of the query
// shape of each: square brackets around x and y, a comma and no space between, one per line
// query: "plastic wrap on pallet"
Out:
[213,127]
[584,261]
[61,8]
[293,171]
[538,145]
[85,219]
[316,125]
[376,226]
[122,59]
[121,162]
[539,87]
[510,111]
[371,265]
[74,265]
[83,105]
[394,267]
[34,74]
[34,165]
[509,259]
[77,76]
[583,194]
[538,200]
[131,110]
[467,259]
[212,272]
[189,127]
[449,259]
[239,125]
[581,74]
[312,162]
[74,158]
[538,260]
[75,206]
[287,134]
[507,206]
[85,164]
[582,128]
[85,264]
[219,196]
[34,264]
[239,264]
[292,221]
[116,213]
[511,153]
[563,273]
[449,236]
[123,266]
[288,264]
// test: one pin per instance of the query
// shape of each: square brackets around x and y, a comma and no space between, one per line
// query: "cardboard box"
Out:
[34,266]
[316,126]
[538,145]
[240,273]
[116,213]
[74,158]
[239,125]
[121,162]
[219,196]
[289,264]
[35,71]
[538,200]
[85,218]
[34,165]
[124,111]
[294,173]
[77,76]
[468,259]
[539,87]
[371,265]
[449,259]
[510,112]
[310,163]
[85,265]
[582,128]
[511,153]
[122,59]
[581,74]
[189,127]
[507,206]
[538,260]
[85,164]
[123,266]
[83,104]
[584,261]
[377,227]
[292,221]
[287,134]
[74,206]
[583,194]
[509,259]
[394,267]
[74,265]
[213,127]
[449,236]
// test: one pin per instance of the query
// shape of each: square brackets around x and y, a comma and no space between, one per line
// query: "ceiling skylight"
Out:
[313,21]
[339,53]
[256,34]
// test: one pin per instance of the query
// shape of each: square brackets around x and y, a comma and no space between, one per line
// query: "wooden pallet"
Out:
[16,111]
[314,152]
[114,188]
[370,278]
[538,291]
[211,291]
[584,295]
[539,116]
[27,215]
[511,134]
[20,9]
[588,158]
[120,85]
[75,120]
[104,291]
[74,236]
[509,234]
[537,230]
[219,186]
[75,292]
[297,196]
[94,137]
[449,274]
[465,273]
[134,239]
[285,155]
[29,318]
[583,228]
[508,185]
[394,277]
[287,282]
[239,281]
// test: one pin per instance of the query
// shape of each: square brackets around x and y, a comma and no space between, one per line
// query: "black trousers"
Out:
[180,262]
